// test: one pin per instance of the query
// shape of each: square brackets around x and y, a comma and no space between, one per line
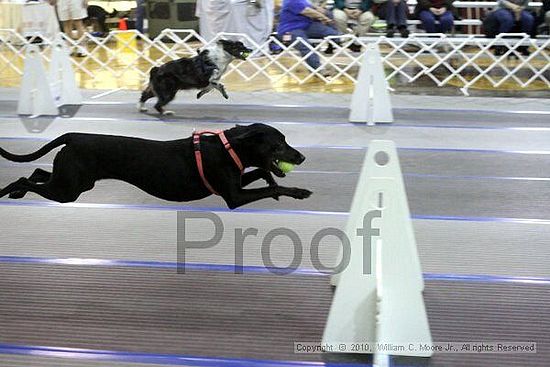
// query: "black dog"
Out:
[165,169]
[203,72]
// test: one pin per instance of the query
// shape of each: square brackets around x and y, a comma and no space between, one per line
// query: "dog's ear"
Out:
[248,134]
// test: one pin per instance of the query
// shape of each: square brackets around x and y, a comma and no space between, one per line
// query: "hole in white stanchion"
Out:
[381,158]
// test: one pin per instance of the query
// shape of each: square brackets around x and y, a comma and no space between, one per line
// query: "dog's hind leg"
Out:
[69,179]
[204,91]
[163,99]
[145,95]
[38,176]
[48,190]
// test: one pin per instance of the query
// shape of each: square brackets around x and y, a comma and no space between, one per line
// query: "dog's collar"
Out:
[198,156]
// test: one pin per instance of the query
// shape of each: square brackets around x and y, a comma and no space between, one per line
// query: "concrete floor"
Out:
[475,173]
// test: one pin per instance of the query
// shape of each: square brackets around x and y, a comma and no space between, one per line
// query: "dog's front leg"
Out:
[240,197]
[256,175]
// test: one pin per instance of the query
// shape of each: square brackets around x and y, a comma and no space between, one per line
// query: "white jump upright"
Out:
[379,297]
[62,77]
[370,101]
[35,95]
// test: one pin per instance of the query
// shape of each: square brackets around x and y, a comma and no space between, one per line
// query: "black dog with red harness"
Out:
[178,170]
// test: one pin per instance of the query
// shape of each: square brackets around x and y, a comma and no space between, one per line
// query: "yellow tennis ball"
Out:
[285,166]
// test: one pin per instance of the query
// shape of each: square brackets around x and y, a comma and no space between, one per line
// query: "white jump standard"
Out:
[379,299]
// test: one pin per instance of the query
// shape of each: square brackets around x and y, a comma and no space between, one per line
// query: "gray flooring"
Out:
[493,248]
[477,183]
[36,361]
[213,314]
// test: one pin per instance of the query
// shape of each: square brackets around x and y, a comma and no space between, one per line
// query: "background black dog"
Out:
[203,72]
[165,169]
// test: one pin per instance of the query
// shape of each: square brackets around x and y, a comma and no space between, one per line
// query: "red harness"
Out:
[198,156]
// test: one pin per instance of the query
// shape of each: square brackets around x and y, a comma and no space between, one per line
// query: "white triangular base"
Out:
[370,101]
[379,294]
[62,76]
[35,96]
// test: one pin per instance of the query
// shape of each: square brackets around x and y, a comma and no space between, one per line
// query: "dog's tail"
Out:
[63,139]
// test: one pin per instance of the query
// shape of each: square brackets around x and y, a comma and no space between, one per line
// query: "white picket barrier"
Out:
[456,61]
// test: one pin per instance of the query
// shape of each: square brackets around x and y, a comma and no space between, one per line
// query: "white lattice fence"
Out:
[457,61]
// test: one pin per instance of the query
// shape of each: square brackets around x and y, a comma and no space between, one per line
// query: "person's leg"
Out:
[428,21]
[391,16]
[64,16]
[78,14]
[365,22]
[527,21]
[505,20]
[446,22]
[79,24]
[68,28]
[401,14]
[341,20]
[320,30]
[140,14]
[101,18]
[313,59]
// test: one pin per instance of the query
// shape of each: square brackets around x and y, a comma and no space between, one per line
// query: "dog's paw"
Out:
[17,194]
[141,107]
[223,92]
[297,193]
[168,113]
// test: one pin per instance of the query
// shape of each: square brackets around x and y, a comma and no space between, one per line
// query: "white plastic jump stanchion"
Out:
[370,101]
[62,77]
[378,299]
[35,95]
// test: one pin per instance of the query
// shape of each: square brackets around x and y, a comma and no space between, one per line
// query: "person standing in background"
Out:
[72,13]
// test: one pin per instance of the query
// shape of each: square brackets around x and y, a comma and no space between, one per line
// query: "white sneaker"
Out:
[79,51]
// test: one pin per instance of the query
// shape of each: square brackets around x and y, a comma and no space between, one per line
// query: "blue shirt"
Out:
[291,19]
